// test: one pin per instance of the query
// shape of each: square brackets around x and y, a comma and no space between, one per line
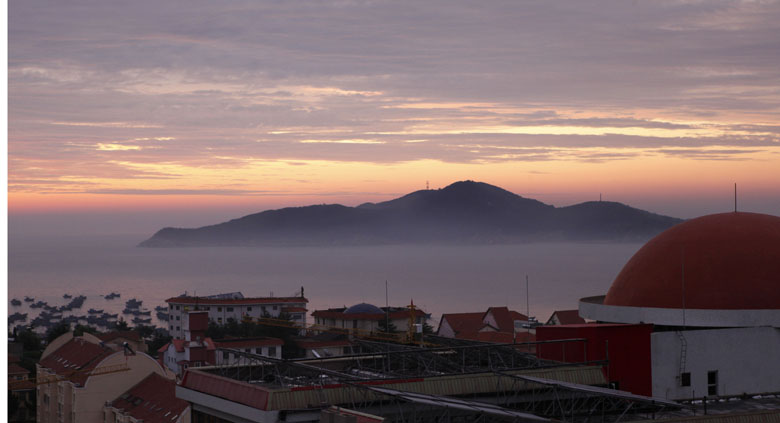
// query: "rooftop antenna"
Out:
[599,197]
[735,197]
[427,186]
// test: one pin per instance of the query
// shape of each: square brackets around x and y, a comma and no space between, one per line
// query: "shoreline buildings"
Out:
[223,307]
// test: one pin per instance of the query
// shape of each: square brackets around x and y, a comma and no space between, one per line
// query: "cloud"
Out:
[177,88]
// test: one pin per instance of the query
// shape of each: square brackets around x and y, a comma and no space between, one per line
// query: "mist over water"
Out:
[440,278]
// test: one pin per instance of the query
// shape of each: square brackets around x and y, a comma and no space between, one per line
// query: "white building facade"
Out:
[222,308]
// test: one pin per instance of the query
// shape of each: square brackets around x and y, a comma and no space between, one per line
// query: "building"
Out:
[21,390]
[77,375]
[323,345]
[196,349]
[496,324]
[565,317]
[119,338]
[265,346]
[366,318]
[462,381]
[234,306]
[152,400]
[711,289]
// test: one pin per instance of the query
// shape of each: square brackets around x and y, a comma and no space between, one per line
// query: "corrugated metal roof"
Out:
[447,402]
[598,390]
[450,385]
[229,389]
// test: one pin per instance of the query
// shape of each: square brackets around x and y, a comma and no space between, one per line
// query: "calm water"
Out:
[440,279]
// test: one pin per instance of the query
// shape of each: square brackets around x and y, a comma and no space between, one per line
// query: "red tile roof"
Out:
[15,369]
[248,342]
[127,334]
[505,318]
[152,400]
[294,309]
[75,358]
[464,322]
[245,301]
[567,317]
[229,389]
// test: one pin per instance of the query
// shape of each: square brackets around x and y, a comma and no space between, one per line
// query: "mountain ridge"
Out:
[465,212]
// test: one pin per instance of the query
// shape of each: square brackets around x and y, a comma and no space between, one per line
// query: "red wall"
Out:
[628,348]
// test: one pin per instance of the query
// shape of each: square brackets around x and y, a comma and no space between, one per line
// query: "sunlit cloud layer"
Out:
[236,98]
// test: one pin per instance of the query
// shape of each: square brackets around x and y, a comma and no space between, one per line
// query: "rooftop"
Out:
[237,301]
[153,400]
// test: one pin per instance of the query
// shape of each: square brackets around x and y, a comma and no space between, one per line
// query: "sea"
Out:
[538,277]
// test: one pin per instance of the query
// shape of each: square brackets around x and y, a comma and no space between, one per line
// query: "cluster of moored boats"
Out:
[53,315]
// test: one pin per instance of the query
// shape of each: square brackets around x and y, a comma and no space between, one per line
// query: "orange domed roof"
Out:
[728,261]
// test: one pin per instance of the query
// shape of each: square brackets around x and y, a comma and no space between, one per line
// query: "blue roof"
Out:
[364,308]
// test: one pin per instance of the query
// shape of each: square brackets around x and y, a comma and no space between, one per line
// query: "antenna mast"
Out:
[735,197]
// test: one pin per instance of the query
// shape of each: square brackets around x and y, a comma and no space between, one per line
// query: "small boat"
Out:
[145,313]
[94,311]
[67,296]
[17,317]
[112,295]
[16,302]
[133,303]
[138,320]
[39,304]
[28,299]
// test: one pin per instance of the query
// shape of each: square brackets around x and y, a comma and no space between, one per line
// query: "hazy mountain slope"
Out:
[464,212]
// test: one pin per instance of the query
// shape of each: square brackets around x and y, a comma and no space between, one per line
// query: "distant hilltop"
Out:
[465,212]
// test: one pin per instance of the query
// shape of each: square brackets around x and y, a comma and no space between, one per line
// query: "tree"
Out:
[121,325]
[57,331]
[157,341]
[384,327]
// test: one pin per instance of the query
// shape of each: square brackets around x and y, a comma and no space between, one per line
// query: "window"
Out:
[219,308]
[712,382]
[249,350]
[354,324]
[272,351]
[249,309]
[225,355]
[685,379]
[178,317]
[178,328]
[230,309]
[276,307]
[207,308]
[219,320]
[258,350]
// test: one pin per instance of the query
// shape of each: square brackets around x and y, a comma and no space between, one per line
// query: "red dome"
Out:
[731,261]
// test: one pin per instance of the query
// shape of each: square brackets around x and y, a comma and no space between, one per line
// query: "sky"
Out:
[127,116]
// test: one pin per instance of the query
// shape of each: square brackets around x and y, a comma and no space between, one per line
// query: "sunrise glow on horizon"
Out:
[255,105]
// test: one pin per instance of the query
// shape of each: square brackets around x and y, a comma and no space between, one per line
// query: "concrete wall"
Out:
[233,359]
[747,361]
[220,314]
[88,401]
